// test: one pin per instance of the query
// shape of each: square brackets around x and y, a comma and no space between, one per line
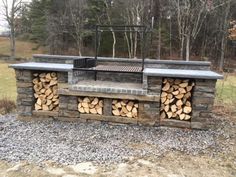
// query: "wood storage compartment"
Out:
[46,91]
[125,108]
[176,99]
[90,105]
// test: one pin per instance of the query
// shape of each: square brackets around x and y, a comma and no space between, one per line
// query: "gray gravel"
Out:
[71,143]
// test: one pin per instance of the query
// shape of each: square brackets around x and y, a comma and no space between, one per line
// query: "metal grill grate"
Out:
[118,68]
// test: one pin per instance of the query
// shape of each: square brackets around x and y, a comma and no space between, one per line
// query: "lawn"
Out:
[7,82]
[226,90]
[24,49]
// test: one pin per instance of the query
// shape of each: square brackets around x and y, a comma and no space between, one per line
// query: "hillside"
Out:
[24,49]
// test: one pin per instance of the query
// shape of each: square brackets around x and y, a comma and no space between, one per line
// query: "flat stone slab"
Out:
[43,66]
[180,73]
[109,87]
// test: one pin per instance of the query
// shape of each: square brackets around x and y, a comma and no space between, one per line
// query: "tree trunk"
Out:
[222,53]
[114,44]
[223,42]
[187,47]
[159,40]
[128,45]
[13,43]
[182,48]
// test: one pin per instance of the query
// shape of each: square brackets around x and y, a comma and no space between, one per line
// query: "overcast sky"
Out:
[3,25]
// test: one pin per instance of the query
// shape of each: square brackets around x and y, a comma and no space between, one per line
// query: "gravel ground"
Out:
[72,143]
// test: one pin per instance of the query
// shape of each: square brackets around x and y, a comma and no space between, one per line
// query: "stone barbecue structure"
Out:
[165,93]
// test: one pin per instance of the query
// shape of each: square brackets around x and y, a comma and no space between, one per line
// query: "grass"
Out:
[24,49]
[7,82]
[226,90]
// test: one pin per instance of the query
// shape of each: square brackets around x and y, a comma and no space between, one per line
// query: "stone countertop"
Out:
[180,73]
[43,66]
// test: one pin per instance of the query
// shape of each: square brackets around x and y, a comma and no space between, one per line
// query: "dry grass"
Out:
[7,82]
[24,49]
[226,90]
[6,106]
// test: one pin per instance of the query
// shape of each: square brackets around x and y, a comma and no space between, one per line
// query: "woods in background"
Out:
[181,29]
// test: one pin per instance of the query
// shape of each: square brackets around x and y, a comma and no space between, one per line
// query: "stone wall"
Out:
[146,94]
[203,101]
[150,63]
[25,98]
[120,77]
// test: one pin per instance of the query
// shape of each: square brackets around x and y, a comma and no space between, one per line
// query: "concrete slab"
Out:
[43,66]
[179,73]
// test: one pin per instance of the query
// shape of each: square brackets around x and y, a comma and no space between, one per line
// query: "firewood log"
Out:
[169,114]
[179,96]
[164,94]
[179,103]
[189,88]
[166,108]
[187,109]
[181,116]
[37,107]
[81,110]
[175,92]
[173,108]
[167,102]
[179,111]
[163,115]
[118,105]
[116,112]
[99,111]
[166,86]
[163,99]
[124,109]
[182,90]
[129,114]
[187,117]
[87,110]
[45,107]
[183,85]
[177,81]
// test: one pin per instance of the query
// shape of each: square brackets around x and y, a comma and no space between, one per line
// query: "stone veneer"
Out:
[148,99]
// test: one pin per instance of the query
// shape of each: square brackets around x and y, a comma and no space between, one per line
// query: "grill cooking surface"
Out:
[114,68]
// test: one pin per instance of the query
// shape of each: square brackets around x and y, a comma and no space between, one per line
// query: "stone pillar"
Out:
[202,101]
[68,108]
[25,98]
[154,85]
[149,113]
[107,107]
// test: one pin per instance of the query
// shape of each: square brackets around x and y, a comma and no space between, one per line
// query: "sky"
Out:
[3,24]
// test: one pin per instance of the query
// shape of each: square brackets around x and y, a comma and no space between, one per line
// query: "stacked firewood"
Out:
[176,99]
[45,91]
[90,105]
[125,108]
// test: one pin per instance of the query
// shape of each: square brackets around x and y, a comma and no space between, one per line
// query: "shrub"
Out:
[6,106]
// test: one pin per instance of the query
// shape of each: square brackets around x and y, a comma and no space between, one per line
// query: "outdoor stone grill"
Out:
[165,93]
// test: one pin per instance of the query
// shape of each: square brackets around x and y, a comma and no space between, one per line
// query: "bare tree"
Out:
[133,15]
[190,17]
[11,11]
[77,17]
[108,14]
[225,25]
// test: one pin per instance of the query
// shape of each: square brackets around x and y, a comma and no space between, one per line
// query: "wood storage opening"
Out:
[90,105]
[176,99]
[45,85]
[125,108]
